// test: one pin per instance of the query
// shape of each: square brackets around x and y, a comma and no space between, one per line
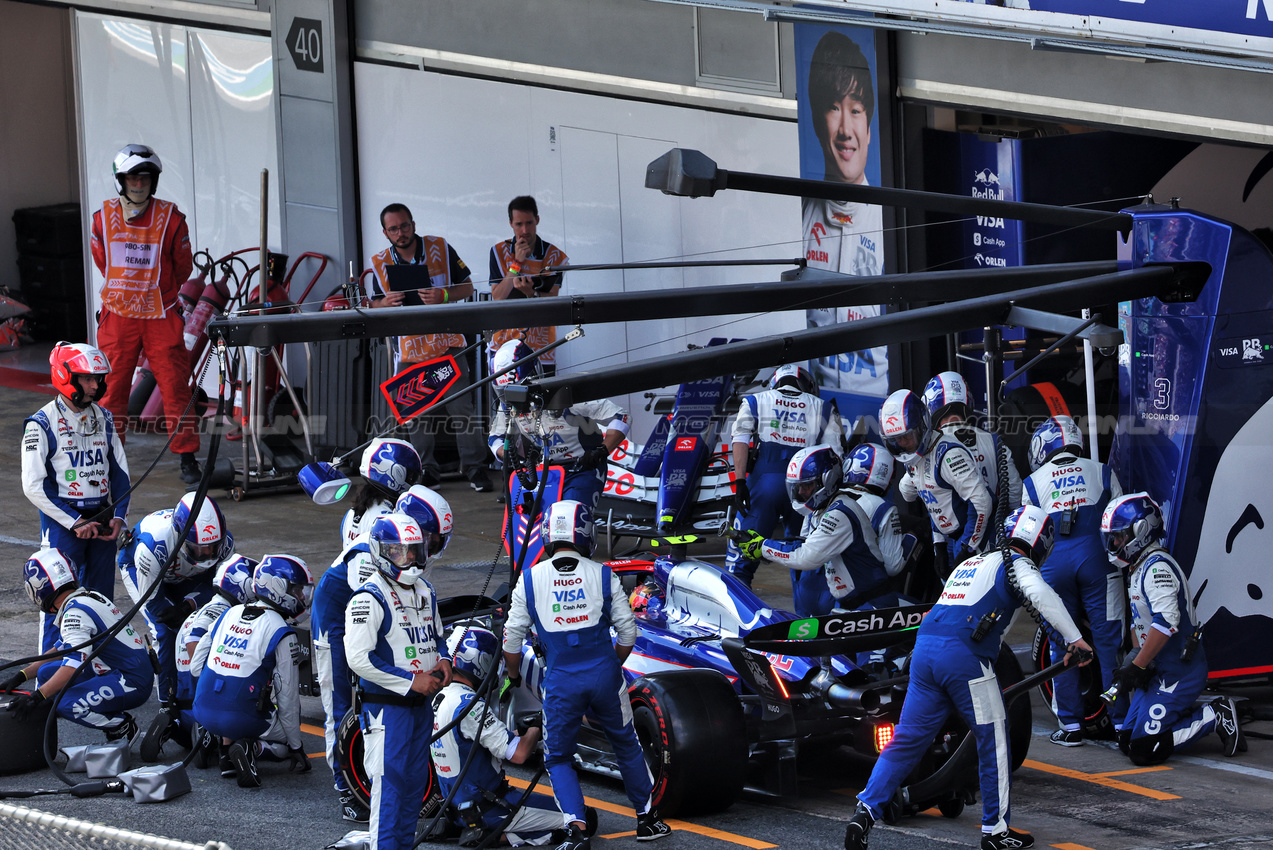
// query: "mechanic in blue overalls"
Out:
[233,584]
[184,588]
[782,420]
[393,642]
[1165,674]
[852,539]
[573,601]
[952,669]
[941,471]
[119,678]
[73,468]
[249,690]
[1074,490]
[578,438]
[484,799]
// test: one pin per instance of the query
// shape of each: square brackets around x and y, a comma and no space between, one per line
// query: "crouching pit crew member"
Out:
[248,692]
[393,644]
[119,678]
[484,799]
[584,672]
[952,669]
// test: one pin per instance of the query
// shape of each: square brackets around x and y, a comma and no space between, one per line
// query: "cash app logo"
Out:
[802,629]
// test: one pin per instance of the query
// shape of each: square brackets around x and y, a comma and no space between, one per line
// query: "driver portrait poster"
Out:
[839,142]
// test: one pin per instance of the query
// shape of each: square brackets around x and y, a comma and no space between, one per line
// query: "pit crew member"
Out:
[388,468]
[949,409]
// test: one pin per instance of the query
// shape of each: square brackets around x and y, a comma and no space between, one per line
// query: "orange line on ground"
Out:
[313,730]
[1097,779]
[1069,846]
[1153,769]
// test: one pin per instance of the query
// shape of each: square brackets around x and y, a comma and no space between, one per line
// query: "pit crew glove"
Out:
[298,761]
[592,459]
[174,616]
[1131,677]
[529,720]
[23,705]
[751,545]
[15,682]
[742,498]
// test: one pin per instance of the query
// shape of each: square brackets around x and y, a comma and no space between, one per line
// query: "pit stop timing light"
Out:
[324,483]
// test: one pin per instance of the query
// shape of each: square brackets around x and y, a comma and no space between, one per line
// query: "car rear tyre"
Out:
[1097,723]
[349,763]
[691,727]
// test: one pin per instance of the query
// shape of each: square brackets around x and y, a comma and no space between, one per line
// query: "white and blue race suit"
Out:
[249,687]
[119,678]
[849,549]
[986,449]
[781,422]
[73,467]
[392,632]
[185,586]
[950,671]
[484,784]
[191,664]
[573,601]
[567,436]
[1074,491]
[1163,718]
[327,619]
[354,525]
[959,504]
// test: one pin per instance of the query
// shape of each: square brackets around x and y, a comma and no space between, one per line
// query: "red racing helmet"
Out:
[69,359]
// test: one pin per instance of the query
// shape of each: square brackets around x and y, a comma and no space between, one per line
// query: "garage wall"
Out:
[461,148]
[38,128]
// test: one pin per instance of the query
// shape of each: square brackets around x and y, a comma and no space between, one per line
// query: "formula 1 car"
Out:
[715,715]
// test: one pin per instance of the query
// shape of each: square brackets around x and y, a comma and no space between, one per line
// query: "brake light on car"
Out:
[883,735]
[782,686]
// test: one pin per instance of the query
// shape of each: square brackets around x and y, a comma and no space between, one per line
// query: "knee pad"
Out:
[1151,749]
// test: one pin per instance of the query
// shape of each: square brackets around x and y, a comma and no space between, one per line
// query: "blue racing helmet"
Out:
[813,478]
[46,574]
[391,466]
[1031,531]
[433,513]
[508,354]
[208,542]
[906,426]
[1130,526]
[946,393]
[568,523]
[234,578]
[869,466]
[474,650]
[284,583]
[398,548]
[1057,433]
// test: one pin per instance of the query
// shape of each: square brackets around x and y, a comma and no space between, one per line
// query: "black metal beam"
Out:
[690,173]
[1166,282]
[806,289]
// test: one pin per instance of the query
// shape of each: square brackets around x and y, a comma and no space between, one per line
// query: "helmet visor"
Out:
[437,542]
[1116,540]
[403,554]
[303,592]
[198,552]
[803,491]
[906,442]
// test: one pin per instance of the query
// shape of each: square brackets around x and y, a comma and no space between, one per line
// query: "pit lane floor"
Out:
[1085,797]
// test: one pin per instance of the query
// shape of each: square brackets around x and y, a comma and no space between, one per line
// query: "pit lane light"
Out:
[883,735]
[324,484]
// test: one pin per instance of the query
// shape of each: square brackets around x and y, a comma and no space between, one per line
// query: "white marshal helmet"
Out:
[136,159]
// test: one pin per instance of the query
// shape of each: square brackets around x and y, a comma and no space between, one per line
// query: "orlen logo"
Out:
[816,232]
[893,425]
[208,533]
[793,468]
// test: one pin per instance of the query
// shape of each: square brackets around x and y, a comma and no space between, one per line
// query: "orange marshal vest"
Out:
[133,264]
[417,349]
[535,337]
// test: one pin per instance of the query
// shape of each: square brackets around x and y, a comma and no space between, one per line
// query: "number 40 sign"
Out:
[305,43]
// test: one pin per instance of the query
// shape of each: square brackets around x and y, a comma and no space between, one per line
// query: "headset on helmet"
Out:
[234,578]
[1130,526]
[813,478]
[391,466]
[208,541]
[793,375]
[398,548]
[567,523]
[1054,435]
[474,650]
[1031,531]
[945,394]
[136,159]
[69,359]
[46,574]
[869,466]
[508,354]
[906,426]
[284,583]
[433,513]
